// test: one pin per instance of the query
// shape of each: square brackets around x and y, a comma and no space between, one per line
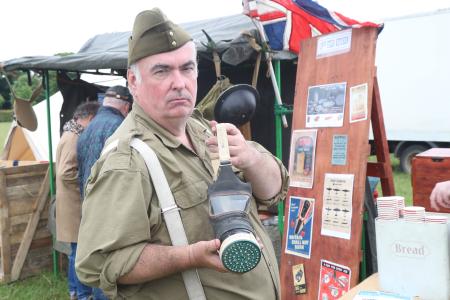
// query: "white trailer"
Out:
[413,67]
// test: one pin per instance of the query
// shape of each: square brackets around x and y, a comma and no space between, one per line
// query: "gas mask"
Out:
[229,200]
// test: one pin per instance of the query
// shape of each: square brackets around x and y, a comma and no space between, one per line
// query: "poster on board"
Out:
[300,226]
[337,205]
[334,280]
[358,103]
[339,150]
[302,158]
[334,43]
[326,105]
[299,279]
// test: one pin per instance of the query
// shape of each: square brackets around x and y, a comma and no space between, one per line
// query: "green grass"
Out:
[6,116]
[402,181]
[4,127]
[44,286]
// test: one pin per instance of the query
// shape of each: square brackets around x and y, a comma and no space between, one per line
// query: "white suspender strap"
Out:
[171,213]
[109,147]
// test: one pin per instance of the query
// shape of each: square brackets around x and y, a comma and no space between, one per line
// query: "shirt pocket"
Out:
[189,194]
[192,200]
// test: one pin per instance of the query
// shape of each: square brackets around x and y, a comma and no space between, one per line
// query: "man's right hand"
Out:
[440,196]
[204,254]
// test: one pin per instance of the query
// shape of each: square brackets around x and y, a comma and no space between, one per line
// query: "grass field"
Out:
[402,182]
[47,286]
[4,127]
[44,286]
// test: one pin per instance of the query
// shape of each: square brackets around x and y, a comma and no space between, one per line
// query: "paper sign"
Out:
[298,273]
[334,280]
[326,105]
[302,158]
[358,103]
[337,205]
[300,226]
[339,151]
[333,44]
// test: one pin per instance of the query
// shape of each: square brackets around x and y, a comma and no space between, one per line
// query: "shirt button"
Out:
[174,43]
[171,33]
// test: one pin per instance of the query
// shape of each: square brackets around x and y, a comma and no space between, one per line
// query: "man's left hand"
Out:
[242,155]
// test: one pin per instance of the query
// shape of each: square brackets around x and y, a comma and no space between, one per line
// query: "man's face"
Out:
[168,87]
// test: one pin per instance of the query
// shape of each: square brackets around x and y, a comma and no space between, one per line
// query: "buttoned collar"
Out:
[167,138]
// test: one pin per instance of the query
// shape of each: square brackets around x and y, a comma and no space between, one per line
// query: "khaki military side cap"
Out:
[153,33]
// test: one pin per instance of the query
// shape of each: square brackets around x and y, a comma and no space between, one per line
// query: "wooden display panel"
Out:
[355,67]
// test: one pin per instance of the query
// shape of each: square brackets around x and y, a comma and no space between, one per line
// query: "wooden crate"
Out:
[25,241]
[429,168]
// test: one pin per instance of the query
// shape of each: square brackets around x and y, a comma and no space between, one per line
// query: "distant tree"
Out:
[4,89]
[23,90]
[5,98]
[19,81]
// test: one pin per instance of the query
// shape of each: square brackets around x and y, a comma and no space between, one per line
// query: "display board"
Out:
[321,249]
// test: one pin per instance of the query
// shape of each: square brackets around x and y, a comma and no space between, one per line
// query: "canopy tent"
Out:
[110,50]
[24,145]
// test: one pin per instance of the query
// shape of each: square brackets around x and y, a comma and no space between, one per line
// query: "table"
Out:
[371,283]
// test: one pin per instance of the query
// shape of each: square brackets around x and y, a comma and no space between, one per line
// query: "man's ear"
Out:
[131,79]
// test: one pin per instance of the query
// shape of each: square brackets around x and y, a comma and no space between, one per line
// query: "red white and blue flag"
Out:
[287,22]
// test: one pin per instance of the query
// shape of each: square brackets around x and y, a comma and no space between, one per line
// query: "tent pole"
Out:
[49,127]
[280,111]
[278,140]
[50,160]
[273,77]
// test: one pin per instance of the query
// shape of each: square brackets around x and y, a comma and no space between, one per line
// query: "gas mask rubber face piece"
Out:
[229,200]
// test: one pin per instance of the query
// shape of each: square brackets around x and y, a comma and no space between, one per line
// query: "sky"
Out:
[47,27]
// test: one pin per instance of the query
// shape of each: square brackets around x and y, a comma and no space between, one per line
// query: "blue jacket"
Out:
[91,141]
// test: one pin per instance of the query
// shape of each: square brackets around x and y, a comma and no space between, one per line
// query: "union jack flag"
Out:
[287,22]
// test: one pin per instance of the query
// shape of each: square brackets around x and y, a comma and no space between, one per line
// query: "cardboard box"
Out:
[413,258]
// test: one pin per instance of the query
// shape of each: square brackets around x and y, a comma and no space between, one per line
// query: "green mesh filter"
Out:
[241,256]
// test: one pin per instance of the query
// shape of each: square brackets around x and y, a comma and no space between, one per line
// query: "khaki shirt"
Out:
[121,214]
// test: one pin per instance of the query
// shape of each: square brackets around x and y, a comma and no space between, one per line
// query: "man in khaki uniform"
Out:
[124,246]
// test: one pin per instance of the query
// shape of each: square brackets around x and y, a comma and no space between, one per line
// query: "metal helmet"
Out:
[236,105]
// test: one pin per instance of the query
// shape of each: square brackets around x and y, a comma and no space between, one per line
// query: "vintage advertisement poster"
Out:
[326,105]
[334,280]
[337,205]
[302,158]
[358,103]
[339,150]
[300,226]
[298,273]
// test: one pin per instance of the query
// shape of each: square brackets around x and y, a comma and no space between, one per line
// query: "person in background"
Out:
[124,245]
[440,196]
[116,105]
[68,203]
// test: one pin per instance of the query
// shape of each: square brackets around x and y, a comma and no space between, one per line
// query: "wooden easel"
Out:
[355,67]
[382,168]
